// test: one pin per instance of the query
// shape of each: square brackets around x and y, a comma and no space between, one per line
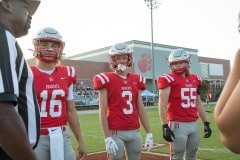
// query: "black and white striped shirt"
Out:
[16,83]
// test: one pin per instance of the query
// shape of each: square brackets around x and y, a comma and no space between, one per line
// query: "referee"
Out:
[19,114]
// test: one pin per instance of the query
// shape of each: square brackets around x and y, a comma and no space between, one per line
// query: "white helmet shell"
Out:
[49,33]
[119,48]
[178,55]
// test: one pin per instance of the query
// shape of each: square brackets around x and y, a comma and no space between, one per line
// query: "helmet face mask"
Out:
[46,53]
[178,56]
[117,50]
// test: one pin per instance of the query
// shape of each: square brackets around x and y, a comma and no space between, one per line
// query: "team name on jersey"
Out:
[52,86]
[128,88]
[188,85]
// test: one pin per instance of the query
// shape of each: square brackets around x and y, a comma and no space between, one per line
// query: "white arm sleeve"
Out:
[70,92]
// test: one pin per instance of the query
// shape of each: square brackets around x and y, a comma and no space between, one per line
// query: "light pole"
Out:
[152,4]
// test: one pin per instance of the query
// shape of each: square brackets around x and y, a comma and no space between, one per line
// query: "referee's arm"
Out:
[13,136]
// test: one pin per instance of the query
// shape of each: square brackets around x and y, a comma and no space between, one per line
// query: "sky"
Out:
[210,26]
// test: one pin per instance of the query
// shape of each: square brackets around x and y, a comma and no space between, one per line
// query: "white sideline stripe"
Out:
[155,145]
[96,152]
[214,150]
[156,154]
[144,152]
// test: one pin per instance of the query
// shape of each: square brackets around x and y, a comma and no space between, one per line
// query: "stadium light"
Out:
[152,4]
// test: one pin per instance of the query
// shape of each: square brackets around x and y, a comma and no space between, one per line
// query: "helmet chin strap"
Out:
[122,67]
[44,58]
[180,70]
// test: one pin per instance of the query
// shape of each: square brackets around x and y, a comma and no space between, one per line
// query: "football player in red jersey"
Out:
[54,90]
[227,110]
[180,106]
[121,106]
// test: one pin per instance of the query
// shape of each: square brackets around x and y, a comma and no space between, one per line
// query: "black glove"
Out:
[207,130]
[167,133]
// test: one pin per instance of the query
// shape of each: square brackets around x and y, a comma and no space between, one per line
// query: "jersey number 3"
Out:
[128,110]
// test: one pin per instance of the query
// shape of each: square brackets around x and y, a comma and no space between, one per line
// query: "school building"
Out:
[90,63]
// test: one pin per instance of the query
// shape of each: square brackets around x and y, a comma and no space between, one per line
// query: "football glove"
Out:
[111,146]
[148,141]
[207,130]
[168,135]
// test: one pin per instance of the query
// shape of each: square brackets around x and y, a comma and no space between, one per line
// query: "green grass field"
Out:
[210,148]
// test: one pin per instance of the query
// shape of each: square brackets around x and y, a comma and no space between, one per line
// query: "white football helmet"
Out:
[120,49]
[48,34]
[179,55]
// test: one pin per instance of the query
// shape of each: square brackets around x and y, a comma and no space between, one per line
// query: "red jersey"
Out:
[52,92]
[182,103]
[122,110]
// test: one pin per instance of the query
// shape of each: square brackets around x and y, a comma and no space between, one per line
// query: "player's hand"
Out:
[168,135]
[148,141]
[111,146]
[82,153]
[207,130]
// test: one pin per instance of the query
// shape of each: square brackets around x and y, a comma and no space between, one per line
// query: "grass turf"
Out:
[210,148]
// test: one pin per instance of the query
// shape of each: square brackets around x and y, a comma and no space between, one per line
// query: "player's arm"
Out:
[142,114]
[110,144]
[227,109]
[145,122]
[201,110]
[162,103]
[99,83]
[164,94]
[103,103]
[13,136]
[74,124]
[202,115]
